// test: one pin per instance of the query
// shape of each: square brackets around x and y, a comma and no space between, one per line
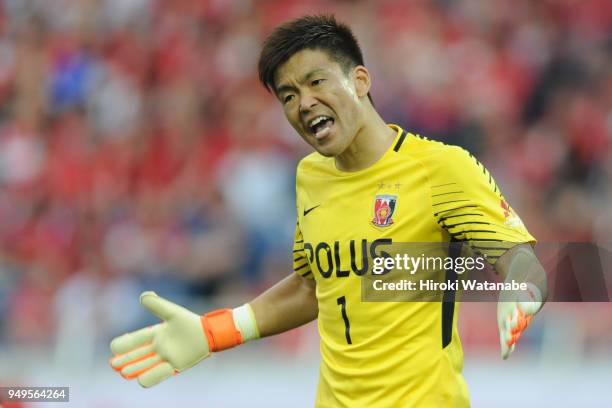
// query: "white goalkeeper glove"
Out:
[182,340]
[515,309]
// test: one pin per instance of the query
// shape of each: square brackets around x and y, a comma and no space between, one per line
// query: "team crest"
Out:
[384,208]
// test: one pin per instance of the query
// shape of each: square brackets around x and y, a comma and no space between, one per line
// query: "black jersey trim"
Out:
[453,209]
[459,215]
[400,141]
[300,267]
[450,192]
[448,202]
[467,222]
[448,298]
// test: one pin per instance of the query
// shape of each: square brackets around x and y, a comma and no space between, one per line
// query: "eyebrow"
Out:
[305,78]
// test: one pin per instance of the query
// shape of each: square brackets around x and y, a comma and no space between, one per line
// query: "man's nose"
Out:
[307,102]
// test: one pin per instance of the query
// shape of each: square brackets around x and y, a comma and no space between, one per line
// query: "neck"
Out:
[371,142]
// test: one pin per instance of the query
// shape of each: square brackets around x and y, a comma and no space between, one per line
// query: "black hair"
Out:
[313,32]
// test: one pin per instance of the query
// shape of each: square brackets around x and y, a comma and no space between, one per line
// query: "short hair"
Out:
[312,32]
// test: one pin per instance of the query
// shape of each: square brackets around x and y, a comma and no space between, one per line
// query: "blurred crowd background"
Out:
[138,150]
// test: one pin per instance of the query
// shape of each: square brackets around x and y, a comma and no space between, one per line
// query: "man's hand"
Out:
[155,353]
[515,309]
[514,313]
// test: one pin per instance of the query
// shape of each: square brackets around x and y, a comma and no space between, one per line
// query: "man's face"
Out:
[320,101]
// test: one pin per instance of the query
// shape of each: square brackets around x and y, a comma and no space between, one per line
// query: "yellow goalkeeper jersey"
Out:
[392,354]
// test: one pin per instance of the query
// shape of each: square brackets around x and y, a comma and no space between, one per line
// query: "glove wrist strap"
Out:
[534,292]
[227,328]
[220,330]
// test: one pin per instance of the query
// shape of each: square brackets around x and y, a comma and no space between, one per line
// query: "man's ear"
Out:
[362,81]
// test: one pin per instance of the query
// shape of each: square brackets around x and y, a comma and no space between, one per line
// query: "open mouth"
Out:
[320,126]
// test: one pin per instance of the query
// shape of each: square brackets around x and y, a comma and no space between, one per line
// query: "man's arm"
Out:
[521,264]
[290,303]
[515,309]
[183,339]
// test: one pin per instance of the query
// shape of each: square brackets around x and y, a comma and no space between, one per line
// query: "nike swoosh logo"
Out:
[310,209]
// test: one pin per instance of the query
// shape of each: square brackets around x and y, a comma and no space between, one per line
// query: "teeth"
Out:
[317,120]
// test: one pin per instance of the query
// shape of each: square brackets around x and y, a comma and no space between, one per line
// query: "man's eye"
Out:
[317,82]
[287,98]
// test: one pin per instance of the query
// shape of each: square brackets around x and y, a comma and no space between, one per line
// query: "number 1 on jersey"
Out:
[347,324]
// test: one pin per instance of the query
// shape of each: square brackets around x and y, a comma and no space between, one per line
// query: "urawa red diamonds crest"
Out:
[384,208]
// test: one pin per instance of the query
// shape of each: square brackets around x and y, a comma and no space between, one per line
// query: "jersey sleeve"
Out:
[468,204]
[301,266]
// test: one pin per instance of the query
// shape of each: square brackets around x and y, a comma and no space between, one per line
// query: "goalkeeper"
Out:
[367,185]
